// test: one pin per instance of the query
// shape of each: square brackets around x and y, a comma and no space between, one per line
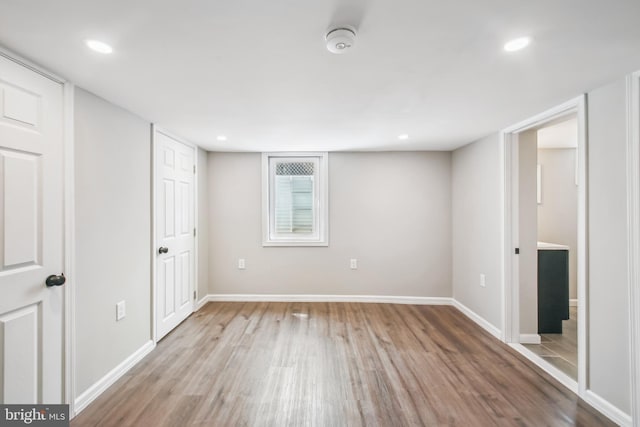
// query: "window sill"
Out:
[294,244]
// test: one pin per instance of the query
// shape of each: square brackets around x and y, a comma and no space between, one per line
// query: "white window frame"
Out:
[320,236]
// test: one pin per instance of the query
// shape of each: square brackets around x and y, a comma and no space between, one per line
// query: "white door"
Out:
[31,236]
[175,241]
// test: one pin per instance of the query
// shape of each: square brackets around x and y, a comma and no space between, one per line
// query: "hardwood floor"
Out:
[334,364]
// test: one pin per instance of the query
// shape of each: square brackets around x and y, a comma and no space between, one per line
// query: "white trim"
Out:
[153,230]
[504,153]
[582,271]
[573,302]
[633,248]
[386,299]
[530,339]
[321,238]
[607,409]
[201,302]
[156,129]
[196,227]
[479,320]
[510,298]
[111,377]
[556,373]
[565,109]
[69,250]
[510,274]
[18,59]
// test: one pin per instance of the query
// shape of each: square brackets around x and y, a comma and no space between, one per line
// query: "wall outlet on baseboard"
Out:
[121,310]
[241,264]
[483,283]
[353,264]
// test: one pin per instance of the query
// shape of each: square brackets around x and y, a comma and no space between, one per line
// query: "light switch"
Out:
[120,310]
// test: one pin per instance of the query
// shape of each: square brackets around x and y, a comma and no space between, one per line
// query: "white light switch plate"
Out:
[121,310]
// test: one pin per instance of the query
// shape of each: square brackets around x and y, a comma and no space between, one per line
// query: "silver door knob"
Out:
[163,250]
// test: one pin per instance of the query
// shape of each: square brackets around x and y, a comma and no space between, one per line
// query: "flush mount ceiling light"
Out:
[340,40]
[403,136]
[221,138]
[517,44]
[99,46]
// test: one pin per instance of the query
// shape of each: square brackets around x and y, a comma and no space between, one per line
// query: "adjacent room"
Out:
[352,212]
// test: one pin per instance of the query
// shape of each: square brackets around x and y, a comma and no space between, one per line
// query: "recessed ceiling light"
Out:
[403,136]
[517,44]
[221,138]
[99,46]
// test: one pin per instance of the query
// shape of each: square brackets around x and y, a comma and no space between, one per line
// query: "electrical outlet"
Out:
[353,264]
[120,310]
[482,280]
[241,264]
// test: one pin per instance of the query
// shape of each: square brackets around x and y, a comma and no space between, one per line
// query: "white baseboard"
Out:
[560,376]
[573,302]
[598,403]
[602,405]
[325,298]
[201,303]
[484,324]
[530,339]
[105,382]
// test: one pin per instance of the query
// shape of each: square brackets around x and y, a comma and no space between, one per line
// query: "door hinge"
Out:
[517,251]
[194,232]
[194,169]
[194,295]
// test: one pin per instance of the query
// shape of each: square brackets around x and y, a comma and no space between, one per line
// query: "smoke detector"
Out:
[340,40]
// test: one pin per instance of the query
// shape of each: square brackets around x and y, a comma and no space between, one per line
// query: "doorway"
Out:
[536,312]
[554,330]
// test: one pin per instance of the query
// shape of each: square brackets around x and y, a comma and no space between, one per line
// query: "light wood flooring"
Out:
[334,364]
[561,350]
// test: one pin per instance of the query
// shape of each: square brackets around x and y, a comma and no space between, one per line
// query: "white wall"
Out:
[476,228]
[203,224]
[558,212]
[391,211]
[608,233]
[113,211]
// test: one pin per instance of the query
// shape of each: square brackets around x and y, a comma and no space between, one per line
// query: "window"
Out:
[294,199]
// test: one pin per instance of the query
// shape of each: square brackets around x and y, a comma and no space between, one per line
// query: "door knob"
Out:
[163,250]
[55,280]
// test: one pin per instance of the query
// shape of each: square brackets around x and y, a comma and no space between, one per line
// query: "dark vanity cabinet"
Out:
[553,289]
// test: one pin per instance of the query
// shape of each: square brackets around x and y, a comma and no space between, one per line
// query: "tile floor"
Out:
[561,350]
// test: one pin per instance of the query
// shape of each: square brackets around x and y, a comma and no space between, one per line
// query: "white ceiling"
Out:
[258,71]
[559,135]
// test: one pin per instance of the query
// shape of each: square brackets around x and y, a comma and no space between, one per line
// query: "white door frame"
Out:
[633,249]
[510,280]
[68,250]
[156,129]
